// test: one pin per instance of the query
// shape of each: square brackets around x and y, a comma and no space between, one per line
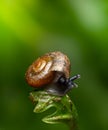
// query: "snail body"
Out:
[51,72]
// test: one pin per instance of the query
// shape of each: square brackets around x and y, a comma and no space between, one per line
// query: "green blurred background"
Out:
[30,28]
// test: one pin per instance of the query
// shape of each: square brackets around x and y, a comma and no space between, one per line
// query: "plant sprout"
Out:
[65,109]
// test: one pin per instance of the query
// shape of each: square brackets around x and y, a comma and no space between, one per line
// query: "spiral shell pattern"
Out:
[47,69]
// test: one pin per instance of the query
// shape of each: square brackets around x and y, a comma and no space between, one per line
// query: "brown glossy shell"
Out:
[47,69]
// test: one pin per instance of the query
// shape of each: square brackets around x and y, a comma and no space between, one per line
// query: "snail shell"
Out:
[48,69]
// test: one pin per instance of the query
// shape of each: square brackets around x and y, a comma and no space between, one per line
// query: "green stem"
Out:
[73,125]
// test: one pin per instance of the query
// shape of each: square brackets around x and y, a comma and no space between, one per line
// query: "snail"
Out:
[51,72]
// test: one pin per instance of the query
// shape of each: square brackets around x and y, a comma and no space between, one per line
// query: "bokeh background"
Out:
[30,28]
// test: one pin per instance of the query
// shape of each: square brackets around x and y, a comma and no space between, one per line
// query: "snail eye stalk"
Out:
[74,77]
[70,82]
[66,84]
